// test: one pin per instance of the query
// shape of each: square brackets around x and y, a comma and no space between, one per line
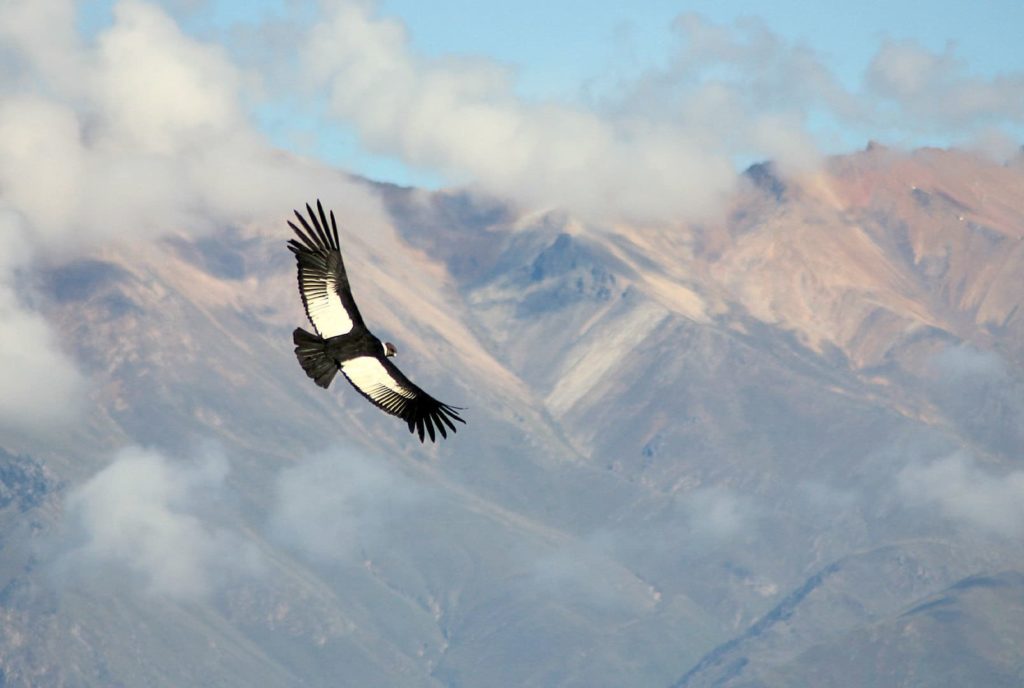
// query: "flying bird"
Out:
[342,341]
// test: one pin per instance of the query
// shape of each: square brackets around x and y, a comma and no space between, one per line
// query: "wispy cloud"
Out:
[330,506]
[586,570]
[41,385]
[965,362]
[980,393]
[964,491]
[144,521]
[937,90]
[718,513]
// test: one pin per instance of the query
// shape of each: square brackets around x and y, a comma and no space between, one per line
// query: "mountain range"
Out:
[781,446]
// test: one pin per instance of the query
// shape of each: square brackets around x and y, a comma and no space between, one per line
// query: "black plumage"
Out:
[342,341]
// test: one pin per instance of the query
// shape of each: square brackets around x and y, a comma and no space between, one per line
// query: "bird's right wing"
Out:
[323,283]
[377,379]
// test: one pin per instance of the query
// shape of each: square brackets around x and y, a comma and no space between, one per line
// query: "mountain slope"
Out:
[721,442]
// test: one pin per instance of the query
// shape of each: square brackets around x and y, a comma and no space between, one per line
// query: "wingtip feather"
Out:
[334,229]
[430,427]
[323,222]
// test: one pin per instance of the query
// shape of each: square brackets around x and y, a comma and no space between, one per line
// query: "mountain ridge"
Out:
[671,430]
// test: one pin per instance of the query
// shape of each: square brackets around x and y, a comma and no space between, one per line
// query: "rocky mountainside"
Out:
[779,448]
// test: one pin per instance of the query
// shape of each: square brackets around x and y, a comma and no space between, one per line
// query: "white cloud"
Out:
[937,91]
[827,498]
[124,138]
[152,124]
[586,570]
[785,140]
[142,521]
[330,506]
[42,162]
[718,513]
[982,394]
[763,69]
[27,58]
[463,117]
[965,492]
[966,361]
[160,91]
[145,133]
[41,385]
[661,144]
[995,144]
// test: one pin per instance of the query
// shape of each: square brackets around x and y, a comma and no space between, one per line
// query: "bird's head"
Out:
[389,349]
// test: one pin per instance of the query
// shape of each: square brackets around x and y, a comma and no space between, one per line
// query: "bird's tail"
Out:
[311,351]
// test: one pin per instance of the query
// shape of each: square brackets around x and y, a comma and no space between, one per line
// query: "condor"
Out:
[342,341]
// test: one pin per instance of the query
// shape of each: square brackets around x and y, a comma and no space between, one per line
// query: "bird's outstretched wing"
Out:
[386,387]
[323,283]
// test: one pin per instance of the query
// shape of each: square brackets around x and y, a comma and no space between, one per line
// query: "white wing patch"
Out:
[367,373]
[323,305]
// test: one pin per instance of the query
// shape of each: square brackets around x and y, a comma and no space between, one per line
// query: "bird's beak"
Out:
[389,349]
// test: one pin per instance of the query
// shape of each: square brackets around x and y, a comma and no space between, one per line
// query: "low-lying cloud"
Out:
[980,393]
[964,362]
[718,513]
[586,571]
[330,506]
[966,492]
[41,385]
[145,521]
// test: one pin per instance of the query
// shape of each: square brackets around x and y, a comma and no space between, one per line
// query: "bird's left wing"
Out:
[388,389]
[323,282]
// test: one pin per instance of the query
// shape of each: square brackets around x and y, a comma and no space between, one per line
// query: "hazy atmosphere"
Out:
[730,293]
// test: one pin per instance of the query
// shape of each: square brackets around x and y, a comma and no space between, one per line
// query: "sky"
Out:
[591,56]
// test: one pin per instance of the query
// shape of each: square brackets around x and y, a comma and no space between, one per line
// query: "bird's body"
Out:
[358,342]
[343,342]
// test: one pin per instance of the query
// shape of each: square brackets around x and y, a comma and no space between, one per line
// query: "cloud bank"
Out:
[146,519]
[150,128]
[141,131]
[660,145]
[463,117]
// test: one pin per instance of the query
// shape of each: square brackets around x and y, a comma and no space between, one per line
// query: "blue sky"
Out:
[561,43]
[580,54]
